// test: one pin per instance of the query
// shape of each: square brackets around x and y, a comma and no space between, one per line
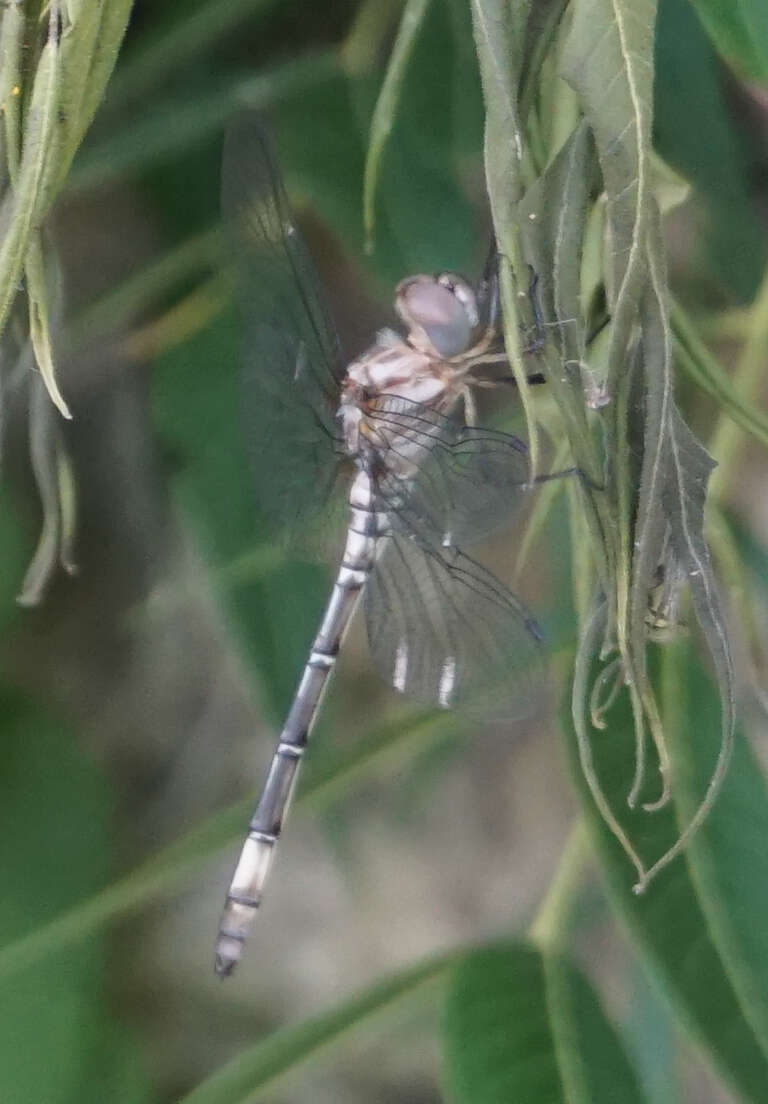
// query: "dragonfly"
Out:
[423,484]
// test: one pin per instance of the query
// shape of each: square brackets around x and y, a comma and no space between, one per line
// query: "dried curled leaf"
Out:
[645,514]
[50,465]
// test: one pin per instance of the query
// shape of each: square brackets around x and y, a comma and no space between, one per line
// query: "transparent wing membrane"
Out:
[292,364]
[445,631]
[446,482]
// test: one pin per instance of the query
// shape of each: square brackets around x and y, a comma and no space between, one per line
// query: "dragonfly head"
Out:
[440,313]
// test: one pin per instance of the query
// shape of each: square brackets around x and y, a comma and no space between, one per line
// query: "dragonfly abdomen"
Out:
[245,891]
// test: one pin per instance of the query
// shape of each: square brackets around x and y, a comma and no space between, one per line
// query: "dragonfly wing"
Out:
[445,631]
[292,358]
[446,482]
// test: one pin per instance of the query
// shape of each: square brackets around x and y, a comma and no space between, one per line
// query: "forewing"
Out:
[445,631]
[445,482]
[291,354]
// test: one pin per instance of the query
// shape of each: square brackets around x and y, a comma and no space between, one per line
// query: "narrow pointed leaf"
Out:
[690,466]
[21,204]
[114,20]
[77,45]
[499,29]
[667,921]
[553,219]
[151,62]
[653,415]
[689,89]
[42,446]
[11,47]
[51,1017]
[540,27]
[740,34]
[256,1069]
[178,123]
[387,105]
[553,216]
[519,1026]
[39,323]
[708,373]
[728,858]
[608,59]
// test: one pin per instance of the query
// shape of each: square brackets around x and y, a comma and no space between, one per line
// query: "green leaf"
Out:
[56,1036]
[114,20]
[553,218]
[150,63]
[199,254]
[669,531]
[387,106]
[649,430]
[11,51]
[424,218]
[39,322]
[727,858]
[499,33]
[499,29]
[670,189]
[519,1026]
[89,45]
[80,25]
[690,468]
[44,448]
[667,921]
[255,1069]
[327,176]
[655,508]
[180,122]
[608,60]
[652,1040]
[740,34]
[707,372]
[15,554]
[21,204]
[688,89]
[543,20]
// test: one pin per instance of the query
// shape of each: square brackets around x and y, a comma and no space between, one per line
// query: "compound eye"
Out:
[435,310]
[463,292]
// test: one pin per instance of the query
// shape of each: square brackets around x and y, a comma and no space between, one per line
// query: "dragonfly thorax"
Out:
[391,367]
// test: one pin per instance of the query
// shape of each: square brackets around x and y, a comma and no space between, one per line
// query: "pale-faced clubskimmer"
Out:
[441,628]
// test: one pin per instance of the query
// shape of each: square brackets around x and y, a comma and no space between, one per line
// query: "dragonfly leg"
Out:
[470,407]
[488,304]
[537,344]
[584,476]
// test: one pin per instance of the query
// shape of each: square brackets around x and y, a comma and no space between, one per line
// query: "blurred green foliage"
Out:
[518,1020]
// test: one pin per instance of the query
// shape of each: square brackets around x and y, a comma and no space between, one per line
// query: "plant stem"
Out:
[550,924]
[748,380]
